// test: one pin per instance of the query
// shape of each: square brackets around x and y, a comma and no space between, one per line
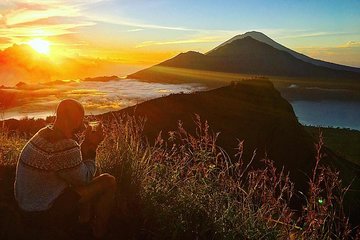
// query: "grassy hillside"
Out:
[185,186]
[344,142]
[201,178]
[252,111]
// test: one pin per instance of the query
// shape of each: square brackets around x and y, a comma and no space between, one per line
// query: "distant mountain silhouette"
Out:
[265,39]
[245,55]
[253,111]
[101,79]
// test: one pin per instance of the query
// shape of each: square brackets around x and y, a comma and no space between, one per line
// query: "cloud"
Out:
[14,67]
[185,41]
[350,44]
[26,13]
[135,30]
[97,97]
[22,63]
[59,21]
[139,25]
[23,12]
[4,40]
[347,53]
[23,19]
[73,93]
[311,34]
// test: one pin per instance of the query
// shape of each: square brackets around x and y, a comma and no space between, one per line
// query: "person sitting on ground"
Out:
[55,175]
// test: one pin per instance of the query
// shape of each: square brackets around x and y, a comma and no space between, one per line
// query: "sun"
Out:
[40,45]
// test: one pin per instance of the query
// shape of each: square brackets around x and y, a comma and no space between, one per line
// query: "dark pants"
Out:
[63,213]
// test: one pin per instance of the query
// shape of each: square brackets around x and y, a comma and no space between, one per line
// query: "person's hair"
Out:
[68,109]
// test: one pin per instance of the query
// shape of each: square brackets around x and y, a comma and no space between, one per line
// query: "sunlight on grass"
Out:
[10,147]
[185,186]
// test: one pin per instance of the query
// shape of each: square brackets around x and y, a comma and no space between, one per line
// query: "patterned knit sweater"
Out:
[46,166]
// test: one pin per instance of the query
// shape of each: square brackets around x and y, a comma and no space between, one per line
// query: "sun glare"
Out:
[40,45]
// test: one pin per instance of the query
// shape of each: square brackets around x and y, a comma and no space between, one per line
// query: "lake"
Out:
[332,113]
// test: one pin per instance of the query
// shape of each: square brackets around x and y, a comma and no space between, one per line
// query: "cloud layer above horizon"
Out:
[40,100]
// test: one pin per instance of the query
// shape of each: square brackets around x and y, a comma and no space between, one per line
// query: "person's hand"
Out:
[94,137]
[92,140]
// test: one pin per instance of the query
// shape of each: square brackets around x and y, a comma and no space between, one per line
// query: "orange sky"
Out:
[106,37]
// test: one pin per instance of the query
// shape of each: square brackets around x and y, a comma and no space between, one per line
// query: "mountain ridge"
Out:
[259,36]
[244,56]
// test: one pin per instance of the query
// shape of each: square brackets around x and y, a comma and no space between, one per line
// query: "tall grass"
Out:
[185,186]
[10,147]
[323,215]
